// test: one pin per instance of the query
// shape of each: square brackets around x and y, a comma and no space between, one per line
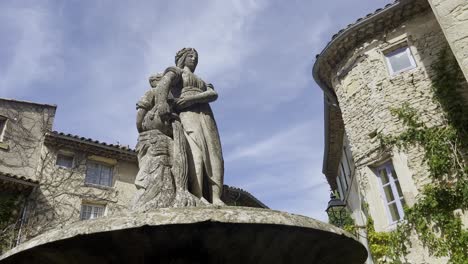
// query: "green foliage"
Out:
[379,242]
[433,218]
[344,221]
[8,204]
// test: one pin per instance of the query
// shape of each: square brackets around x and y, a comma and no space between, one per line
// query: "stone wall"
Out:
[453,18]
[24,133]
[366,92]
[57,201]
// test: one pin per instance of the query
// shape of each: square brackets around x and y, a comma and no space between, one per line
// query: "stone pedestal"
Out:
[193,235]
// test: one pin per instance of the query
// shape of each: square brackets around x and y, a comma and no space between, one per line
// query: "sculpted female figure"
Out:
[191,96]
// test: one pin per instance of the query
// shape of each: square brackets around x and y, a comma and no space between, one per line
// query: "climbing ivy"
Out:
[344,221]
[435,217]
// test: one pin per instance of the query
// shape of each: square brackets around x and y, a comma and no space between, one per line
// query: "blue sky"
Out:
[93,59]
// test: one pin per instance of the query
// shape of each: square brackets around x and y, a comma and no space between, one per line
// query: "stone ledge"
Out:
[212,235]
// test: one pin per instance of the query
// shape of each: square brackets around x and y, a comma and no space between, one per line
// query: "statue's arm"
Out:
[141,112]
[143,106]
[163,89]
[210,95]
[207,96]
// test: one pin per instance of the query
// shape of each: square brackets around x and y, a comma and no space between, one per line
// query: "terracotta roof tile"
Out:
[377,11]
[90,140]
[18,178]
[246,193]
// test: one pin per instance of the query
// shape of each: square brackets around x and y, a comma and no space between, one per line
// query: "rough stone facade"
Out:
[61,192]
[26,124]
[453,19]
[354,74]
[367,93]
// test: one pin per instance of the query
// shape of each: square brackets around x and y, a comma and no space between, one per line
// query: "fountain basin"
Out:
[193,235]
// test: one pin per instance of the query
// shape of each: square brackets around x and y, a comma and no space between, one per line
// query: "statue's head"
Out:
[187,57]
[154,79]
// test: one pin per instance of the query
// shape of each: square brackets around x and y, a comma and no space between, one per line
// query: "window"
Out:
[342,187]
[342,182]
[391,192]
[344,174]
[3,121]
[400,60]
[98,173]
[89,211]
[64,161]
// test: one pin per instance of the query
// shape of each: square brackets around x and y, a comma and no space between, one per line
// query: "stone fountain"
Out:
[177,215]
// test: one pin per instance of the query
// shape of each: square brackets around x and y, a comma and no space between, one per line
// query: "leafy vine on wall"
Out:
[436,215]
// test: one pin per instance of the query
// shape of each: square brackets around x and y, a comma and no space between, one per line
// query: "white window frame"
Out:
[349,160]
[340,188]
[344,177]
[94,211]
[399,199]
[3,127]
[345,167]
[407,50]
[63,154]
[101,164]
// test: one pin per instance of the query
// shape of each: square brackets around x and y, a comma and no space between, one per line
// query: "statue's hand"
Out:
[183,102]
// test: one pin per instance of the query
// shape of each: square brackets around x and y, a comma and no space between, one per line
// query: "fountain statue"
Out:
[177,215]
[179,150]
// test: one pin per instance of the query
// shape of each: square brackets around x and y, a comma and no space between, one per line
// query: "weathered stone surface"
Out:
[25,124]
[193,235]
[188,154]
[366,92]
[452,16]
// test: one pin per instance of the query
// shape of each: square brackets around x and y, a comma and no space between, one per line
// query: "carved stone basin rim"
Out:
[216,230]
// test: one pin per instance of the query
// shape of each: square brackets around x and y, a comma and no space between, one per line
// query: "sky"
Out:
[93,60]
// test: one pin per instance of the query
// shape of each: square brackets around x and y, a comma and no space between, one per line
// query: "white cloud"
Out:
[115,68]
[217,29]
[285,62]
[35,49]
[282,170]
[289,144]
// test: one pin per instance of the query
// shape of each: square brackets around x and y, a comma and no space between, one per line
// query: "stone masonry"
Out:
[453,18]
[356,74]
[366,93]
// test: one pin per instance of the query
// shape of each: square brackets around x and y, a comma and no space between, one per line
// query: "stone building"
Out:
[50,179]
[381,62]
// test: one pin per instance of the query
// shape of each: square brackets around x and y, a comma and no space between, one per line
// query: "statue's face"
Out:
[191,60]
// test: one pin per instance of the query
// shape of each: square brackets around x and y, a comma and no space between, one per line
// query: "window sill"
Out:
[393,226]
[4,146]
[64,168]
[98,186]
[403,73]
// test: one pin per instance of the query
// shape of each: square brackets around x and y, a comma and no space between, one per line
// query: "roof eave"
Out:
[18,179]
[28,102]
[123,154]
